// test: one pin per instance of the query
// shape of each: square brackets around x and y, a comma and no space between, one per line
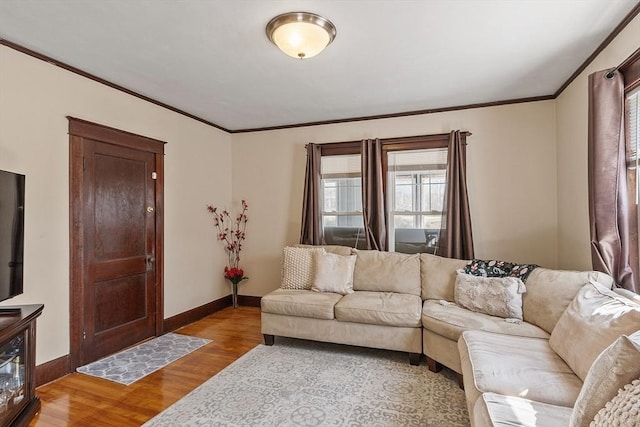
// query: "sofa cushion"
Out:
[333,273]
[438,276]
[616,366]
[380,308]
[549,292]
[516,366]
[496,410]
[496,296]
[387,272]
[595,318]
[623,409]
[300,303]
[298,267]
[450,320]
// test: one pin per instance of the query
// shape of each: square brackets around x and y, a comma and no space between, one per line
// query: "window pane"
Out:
[404,221]
[405,190]
[432,191]
[430,222]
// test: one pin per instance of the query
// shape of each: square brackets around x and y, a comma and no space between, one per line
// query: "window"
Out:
[416,179]
[632,112]
[342,220]
[414,192]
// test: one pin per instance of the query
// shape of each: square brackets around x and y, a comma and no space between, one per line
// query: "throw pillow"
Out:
[334,273]
[594,319]
[495,268]
[622,410]
[616,366]
[496,296]
[297,267]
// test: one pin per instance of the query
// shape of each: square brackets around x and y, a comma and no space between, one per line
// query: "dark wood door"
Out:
[116,239]
[119,248]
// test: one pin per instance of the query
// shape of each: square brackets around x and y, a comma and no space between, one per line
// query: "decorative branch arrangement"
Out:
[231,232]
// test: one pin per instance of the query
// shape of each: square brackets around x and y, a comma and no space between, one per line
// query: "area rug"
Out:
[302,383]
[130,365]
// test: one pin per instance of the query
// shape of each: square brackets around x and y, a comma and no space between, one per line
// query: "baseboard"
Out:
[249,301]
[56,368]
[52,370]
[179,320]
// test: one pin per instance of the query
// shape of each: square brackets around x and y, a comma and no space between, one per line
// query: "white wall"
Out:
[572,119]
[35,98]
[511,177]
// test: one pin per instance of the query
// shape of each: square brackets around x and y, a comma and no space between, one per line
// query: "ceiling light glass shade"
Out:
[301,34]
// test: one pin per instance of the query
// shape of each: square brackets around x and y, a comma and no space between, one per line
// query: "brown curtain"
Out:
[373,200]
[612,208]
[456,238]
[311,232]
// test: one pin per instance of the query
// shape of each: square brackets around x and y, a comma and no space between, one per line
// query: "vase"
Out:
[234,294]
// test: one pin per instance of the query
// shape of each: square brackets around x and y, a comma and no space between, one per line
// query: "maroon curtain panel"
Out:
[456,237]
[311,230]
[373,200]
[612,208]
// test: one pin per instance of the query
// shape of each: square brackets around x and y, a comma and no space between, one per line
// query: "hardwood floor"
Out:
[81,400]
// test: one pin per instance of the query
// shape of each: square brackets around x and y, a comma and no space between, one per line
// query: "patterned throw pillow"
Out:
[334,273]
[297,267]
[494,268]
[496,296]
[623,410]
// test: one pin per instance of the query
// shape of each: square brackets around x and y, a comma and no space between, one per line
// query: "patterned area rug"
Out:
[130,365]
[301,383]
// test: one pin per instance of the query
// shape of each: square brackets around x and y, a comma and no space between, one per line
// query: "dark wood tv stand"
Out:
[18,400]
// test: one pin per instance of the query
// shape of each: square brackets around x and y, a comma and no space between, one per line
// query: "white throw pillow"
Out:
[496,296]
[623,410]
[616,366]
[298,266]
[594,319]
[334,273]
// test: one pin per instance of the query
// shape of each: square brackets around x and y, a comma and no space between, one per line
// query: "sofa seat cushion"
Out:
[380,308]
[515,366]
[300,303]
[450,320]
[507,411]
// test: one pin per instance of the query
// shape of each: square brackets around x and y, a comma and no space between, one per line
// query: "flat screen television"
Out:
[11,234]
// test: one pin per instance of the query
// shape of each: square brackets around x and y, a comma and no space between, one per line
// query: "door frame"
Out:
[79,130]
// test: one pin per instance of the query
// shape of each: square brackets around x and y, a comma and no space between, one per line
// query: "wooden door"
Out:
[116,285]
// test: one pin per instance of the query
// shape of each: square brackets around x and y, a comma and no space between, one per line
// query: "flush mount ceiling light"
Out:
[301,34]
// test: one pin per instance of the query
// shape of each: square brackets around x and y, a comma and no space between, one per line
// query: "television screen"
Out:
[11,233]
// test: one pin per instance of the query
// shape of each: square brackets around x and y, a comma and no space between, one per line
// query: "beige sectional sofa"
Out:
[383,312]
[515,372]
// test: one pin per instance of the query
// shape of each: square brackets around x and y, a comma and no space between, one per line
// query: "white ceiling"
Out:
[212,59]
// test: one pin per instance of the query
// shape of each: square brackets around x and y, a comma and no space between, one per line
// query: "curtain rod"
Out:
[396,139]
[632,58]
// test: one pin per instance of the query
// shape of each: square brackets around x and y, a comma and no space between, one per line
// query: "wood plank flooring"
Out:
[81,400]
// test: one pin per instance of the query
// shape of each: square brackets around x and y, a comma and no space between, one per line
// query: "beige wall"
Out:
[35,98]
[511,177]
[572,110]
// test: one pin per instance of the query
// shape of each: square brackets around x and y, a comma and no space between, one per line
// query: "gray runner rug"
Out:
[130,365]
[303,383]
